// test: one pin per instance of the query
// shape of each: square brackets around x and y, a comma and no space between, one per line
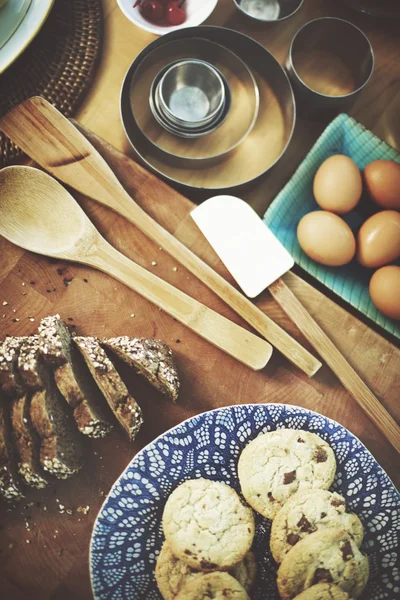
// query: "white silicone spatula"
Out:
[248,249]
[257,260]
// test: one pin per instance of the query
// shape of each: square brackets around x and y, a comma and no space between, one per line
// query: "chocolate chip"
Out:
[301,441]
[61,271]
[320,455]
[304,525]
[32,282]
[205,565]
[292,538]
[289,477]
[322,575]
[270,497]
[85,280]
[188,552]
[67,281]
[323,515]
[335,502]
[346,551]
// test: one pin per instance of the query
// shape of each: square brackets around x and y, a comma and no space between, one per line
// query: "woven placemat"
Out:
[59,64]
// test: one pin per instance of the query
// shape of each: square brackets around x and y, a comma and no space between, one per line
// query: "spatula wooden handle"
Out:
[246,347]
[336,361]
[60,148]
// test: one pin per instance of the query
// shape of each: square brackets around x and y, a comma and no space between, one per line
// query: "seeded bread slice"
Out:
[28,363]
[151,358]
[10,483]
[27,443]
[9,379]
[73,378]
[123,405]
[61,446]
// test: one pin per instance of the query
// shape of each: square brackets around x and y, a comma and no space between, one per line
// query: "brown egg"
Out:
[326,238]
[378,240]
[384,289]
[338,184]
[382,180]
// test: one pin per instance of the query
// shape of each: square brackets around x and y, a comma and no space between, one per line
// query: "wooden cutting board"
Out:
[44,543]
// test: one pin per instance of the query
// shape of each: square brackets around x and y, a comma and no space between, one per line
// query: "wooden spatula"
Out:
[257,260]
[38,214]
[43,133]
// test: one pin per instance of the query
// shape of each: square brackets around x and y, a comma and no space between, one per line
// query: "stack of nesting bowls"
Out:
[190,98]
[207,108]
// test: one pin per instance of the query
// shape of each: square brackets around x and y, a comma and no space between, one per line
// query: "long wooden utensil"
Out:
[246,246]
[43,133]
[38,214]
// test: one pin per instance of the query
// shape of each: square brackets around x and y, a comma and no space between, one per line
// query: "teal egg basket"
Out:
[350,282]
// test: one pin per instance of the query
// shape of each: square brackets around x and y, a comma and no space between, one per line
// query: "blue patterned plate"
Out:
[127,534]
[343,136]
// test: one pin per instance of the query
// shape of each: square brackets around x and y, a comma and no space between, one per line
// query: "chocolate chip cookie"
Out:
[323,591]
[309,511]
[245,572]
[207,525]
[326,556]
[212,586]
[279,463]
[172,573]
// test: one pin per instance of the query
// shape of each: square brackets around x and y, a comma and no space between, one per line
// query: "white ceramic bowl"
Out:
[197,12]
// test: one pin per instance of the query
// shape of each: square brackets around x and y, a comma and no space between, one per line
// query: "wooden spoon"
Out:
[55,144]
[38,214]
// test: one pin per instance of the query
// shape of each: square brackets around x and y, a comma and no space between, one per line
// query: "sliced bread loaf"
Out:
[9,378]
[27,443]
[61,446]
[123,405]
[10,483]
[73,378]
[151,358]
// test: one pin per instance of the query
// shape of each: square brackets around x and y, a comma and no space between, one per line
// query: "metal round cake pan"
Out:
[261,149]
[242,100]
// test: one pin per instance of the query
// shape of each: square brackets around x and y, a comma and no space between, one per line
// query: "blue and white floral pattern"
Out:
[127,535]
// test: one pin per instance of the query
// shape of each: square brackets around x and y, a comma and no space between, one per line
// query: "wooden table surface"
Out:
[44,543]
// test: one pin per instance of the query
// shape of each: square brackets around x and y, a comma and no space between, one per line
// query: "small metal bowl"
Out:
[191,93]
[330,61]
[202,130]
[268,11]
[194,127]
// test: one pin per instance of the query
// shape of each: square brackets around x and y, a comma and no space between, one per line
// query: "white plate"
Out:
[30,26]
[12,13]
